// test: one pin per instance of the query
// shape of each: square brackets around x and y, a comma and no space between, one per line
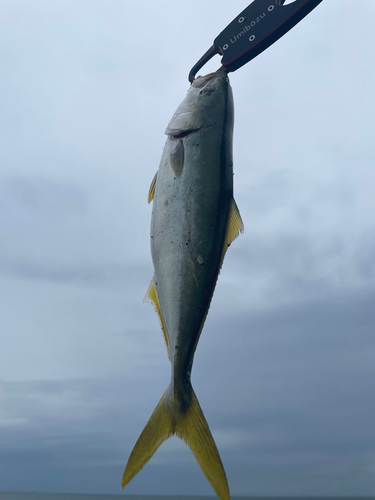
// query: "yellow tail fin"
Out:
[190,426]
[157,430]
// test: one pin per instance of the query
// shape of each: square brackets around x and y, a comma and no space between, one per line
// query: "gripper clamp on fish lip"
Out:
[257,27]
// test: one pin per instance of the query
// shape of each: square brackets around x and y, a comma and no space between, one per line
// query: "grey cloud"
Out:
[72,430]
[44,195]
[300,394]
[284,367]
[364,257]
[65,232]
[109,274]
[291,386]
[294,265]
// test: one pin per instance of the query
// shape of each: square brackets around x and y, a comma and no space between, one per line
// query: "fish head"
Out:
[208,103]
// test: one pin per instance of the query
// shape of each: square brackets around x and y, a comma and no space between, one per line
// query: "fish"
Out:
[194,220]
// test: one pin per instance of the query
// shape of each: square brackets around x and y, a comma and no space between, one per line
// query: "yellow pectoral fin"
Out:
[151,297]
[151,191]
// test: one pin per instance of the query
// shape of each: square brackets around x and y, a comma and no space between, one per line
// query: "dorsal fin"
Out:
[151,191]
[234,228]
[235,225]
[151,297]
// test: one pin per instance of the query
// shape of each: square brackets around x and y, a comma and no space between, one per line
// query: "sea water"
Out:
[63,496]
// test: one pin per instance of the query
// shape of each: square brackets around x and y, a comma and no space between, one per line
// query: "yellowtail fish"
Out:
[194,220]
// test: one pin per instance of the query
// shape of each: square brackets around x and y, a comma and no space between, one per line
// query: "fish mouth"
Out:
[202,81]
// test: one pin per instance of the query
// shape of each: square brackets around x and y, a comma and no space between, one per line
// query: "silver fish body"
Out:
[194,220]
[190,215]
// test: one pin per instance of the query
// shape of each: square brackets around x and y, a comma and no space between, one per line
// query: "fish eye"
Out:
[207,90]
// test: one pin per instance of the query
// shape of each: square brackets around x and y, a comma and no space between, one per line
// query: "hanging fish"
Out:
[194,220]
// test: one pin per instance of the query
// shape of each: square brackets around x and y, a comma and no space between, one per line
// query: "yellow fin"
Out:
[151,297]
[157,430]
[235,224]
[192,427]
[151,191]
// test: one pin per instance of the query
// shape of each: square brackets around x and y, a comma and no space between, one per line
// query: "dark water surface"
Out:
[63,496]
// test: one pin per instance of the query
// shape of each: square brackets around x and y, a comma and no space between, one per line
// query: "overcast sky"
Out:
[285,367]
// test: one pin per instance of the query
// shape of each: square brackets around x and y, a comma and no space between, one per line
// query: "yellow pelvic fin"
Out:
[235,224]
[151,297]
[190,426]
[157,430]
[151,191]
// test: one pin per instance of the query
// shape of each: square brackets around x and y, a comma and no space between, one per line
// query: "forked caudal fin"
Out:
[190,426]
